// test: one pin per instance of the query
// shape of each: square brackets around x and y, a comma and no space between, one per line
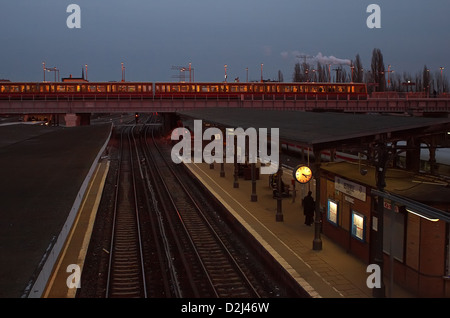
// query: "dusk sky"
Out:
[152,36]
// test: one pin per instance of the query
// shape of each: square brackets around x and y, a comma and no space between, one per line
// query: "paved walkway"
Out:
[329,273]
[77,242]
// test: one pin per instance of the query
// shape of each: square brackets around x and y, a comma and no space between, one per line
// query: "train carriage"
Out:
[57,90]
[173,90]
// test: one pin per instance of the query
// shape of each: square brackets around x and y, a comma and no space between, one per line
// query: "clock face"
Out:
[302,174]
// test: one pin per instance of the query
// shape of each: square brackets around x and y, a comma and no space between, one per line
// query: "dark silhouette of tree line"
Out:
[378,77]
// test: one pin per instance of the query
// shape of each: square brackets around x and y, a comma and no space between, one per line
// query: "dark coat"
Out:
[309,206]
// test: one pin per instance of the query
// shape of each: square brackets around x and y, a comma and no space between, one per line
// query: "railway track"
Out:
[126,274]
[161,235]
[206,254]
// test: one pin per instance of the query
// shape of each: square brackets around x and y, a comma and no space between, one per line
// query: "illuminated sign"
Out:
[350,188]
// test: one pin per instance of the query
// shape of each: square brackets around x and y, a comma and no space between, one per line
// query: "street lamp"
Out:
[123,73]
[50,69]
[389,71]
[225,66]
[442,79]
[262,72]
[85,65]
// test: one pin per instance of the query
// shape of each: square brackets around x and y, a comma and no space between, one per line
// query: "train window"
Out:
[343,89]
[4,88]
[214,88]
[258,89]
[131,89]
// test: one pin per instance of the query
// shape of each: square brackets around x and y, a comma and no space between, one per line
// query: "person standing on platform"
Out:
[309,206]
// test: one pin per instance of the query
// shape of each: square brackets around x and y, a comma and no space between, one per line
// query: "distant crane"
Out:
[182,75]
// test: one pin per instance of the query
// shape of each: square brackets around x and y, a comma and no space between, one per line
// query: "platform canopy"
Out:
[324,130]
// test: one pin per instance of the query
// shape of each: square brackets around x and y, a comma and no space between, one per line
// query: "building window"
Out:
[358,226]
[333,211]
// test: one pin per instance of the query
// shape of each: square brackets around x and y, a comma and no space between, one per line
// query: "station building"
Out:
[415,248]
[402,225]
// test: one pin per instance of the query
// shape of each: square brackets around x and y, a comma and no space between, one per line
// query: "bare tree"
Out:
[297,76]
[377,68]
[280,76]
[358,70]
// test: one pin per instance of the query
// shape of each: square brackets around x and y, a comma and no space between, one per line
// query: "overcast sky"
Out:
[151,36]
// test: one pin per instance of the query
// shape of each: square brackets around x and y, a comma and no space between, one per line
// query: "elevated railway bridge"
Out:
[76,101]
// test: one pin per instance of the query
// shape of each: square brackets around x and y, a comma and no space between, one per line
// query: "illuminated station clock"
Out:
[302,174]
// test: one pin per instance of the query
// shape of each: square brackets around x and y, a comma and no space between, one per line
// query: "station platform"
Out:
[77,243]
[44,172]
[328,273]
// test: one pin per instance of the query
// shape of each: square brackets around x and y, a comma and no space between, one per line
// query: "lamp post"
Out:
[380,175]
[225,67]
[389,71]
[246,70]
[352,68]
[123,73]
[49,69]
[442,78]
[262,80]
[85,65]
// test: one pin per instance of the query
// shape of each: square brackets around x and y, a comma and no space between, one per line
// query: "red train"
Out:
[111,90]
